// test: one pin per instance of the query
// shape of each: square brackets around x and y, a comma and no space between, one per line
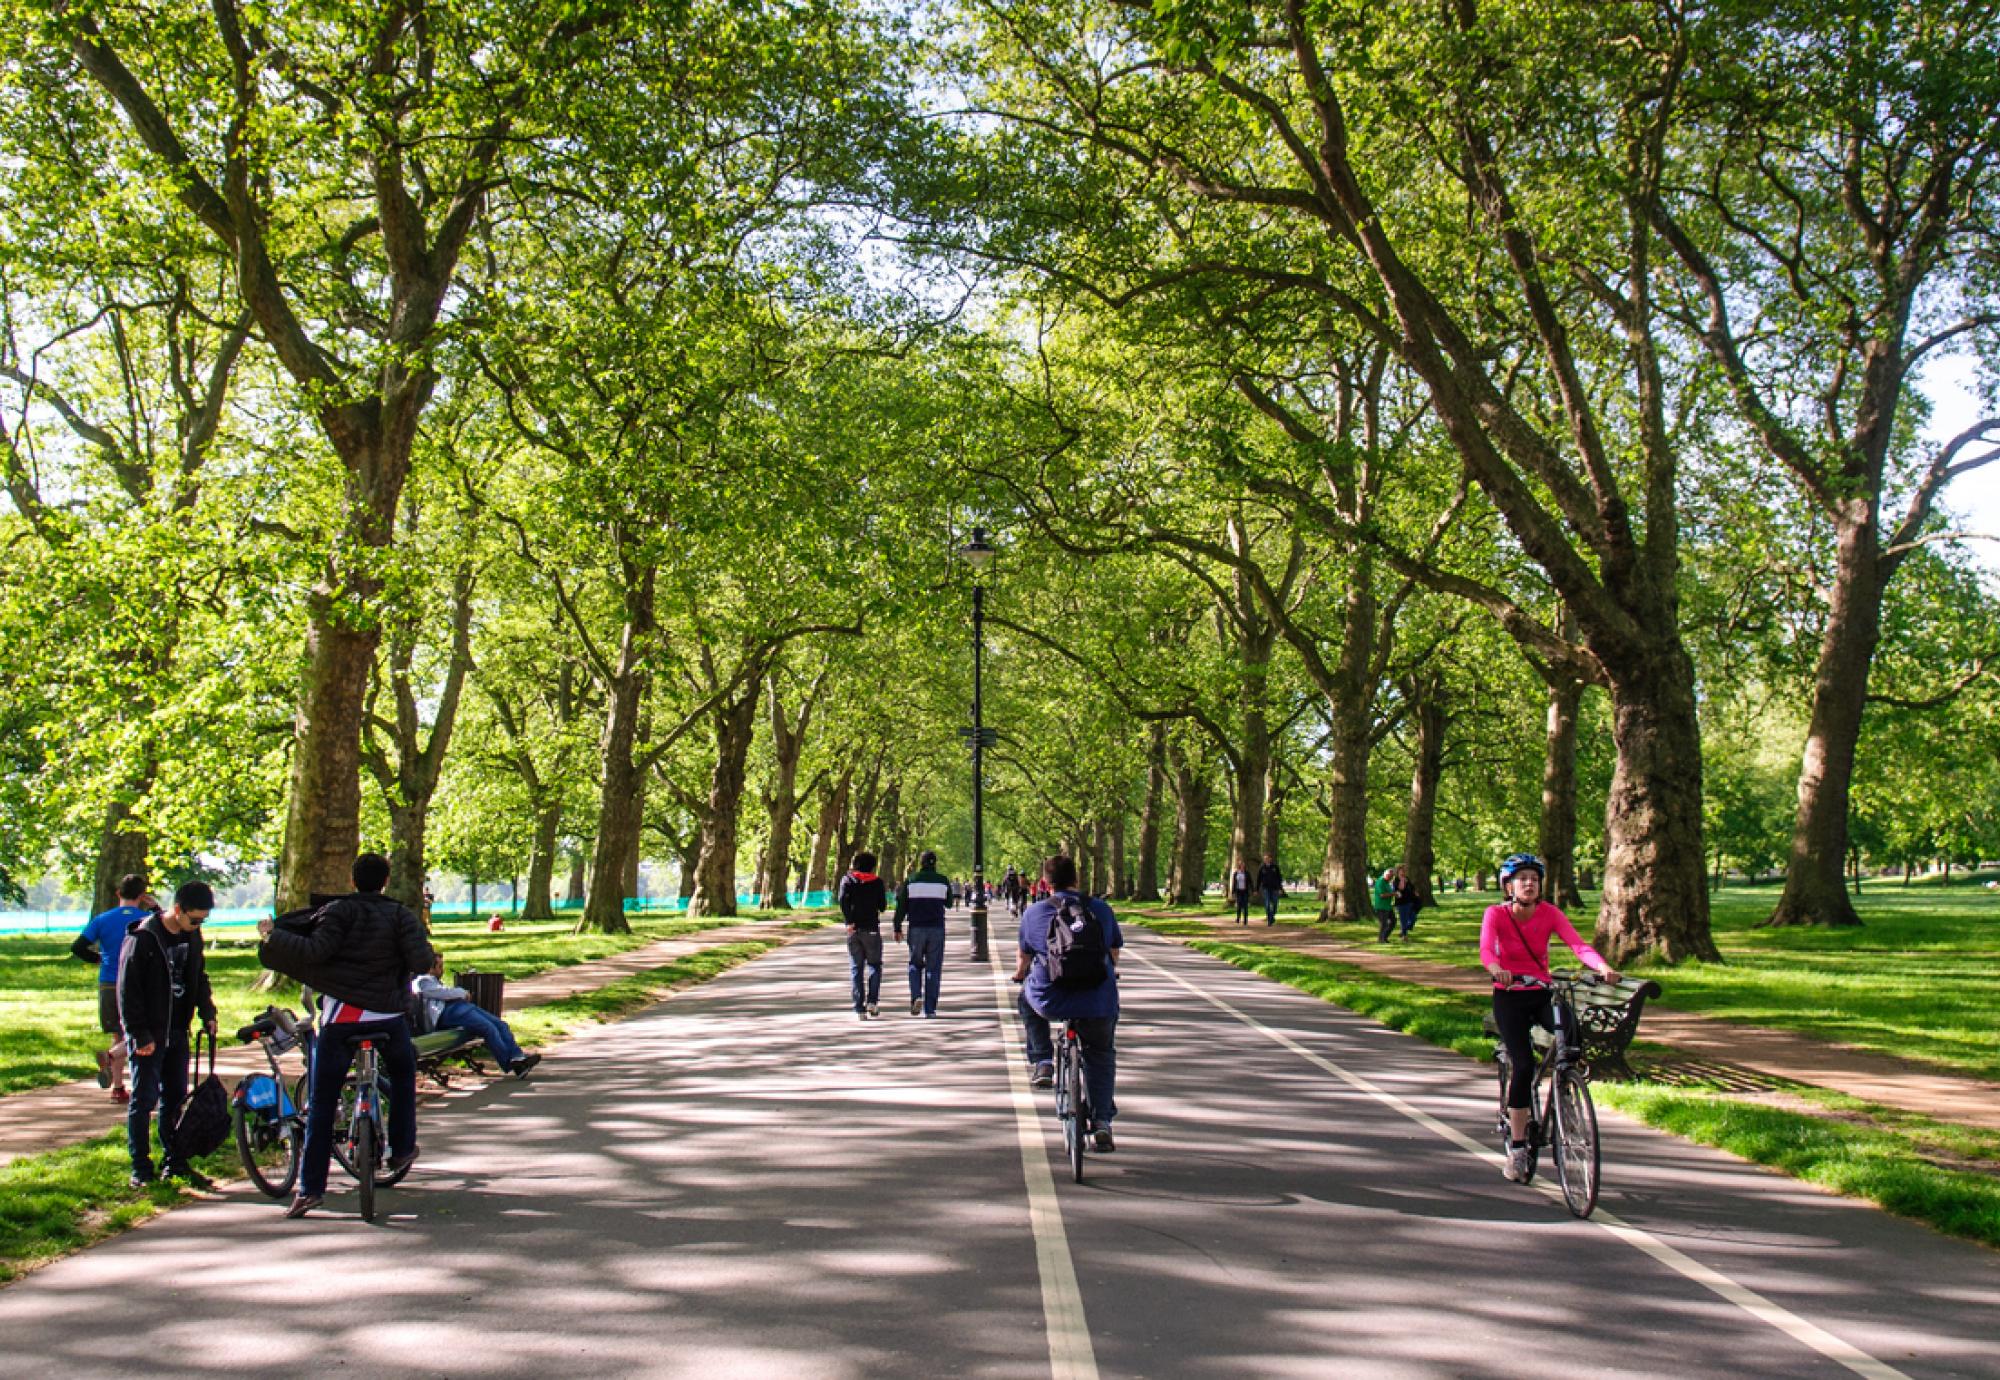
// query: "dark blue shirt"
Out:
[107,933]
[1066,1003]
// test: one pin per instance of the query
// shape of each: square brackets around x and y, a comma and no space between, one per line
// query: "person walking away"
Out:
[1514,951]
[1407,902]
[359,953]
[862,897]
[1382,896]
[102,943]
[162,985]
[452,1008]
[1090,1008]
[1271,882]
[921,902]
[1239,893]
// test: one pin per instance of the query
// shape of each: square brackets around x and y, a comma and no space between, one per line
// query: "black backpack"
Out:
[204,1121]
[1077,956]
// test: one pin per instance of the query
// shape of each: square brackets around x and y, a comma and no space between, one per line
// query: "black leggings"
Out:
[1516,1013]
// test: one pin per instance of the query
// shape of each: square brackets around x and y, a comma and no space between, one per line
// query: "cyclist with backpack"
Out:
[1068,970]
[1514,951]
[862,898]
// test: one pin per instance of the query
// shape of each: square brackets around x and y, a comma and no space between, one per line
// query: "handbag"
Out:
[203,1124]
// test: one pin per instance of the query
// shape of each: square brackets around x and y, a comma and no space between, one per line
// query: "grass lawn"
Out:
[67,1199]
[1919,979]
[48,1000]
[1941,1175]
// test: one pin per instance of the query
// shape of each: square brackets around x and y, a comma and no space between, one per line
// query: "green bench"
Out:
[1608,1014]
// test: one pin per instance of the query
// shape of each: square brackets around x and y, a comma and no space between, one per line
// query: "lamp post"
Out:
[977,554]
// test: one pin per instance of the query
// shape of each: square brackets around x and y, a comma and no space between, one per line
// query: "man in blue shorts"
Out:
[1092,1011]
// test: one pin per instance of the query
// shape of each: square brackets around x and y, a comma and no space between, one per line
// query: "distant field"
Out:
[1920,978]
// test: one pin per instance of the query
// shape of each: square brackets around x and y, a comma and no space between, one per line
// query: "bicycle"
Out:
[1072,1096]
[360,1129]
[264,1112]
[1562,1117]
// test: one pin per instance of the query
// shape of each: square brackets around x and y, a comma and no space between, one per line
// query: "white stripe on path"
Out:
[1749,1300]
[1071,1356]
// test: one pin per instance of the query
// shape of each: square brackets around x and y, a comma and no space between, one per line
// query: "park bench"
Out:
[1608,1013]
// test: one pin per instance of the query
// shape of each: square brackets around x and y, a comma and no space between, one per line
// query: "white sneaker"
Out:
[873,1010]
[1517,1164]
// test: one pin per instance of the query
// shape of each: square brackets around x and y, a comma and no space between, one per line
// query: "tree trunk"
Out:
[1148,888]
[1344,874]
[1815,890]
[578,864]
[542,863]
[690,864]
[826,838]
[620,808]
[1557,843]
[121,849]
[323,794]
[1194,792]
[774,886]
[1274,812]
[715,878]
[1120,882]
[1655,900]
[407,826]
[1427,716]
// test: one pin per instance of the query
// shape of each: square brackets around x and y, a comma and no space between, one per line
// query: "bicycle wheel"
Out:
[384,1176]
[364,1154]
[257,1133]
[1076,1129]
[343,1116]
[1576,1143]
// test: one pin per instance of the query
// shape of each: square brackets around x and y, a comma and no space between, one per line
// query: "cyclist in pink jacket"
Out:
[1514,951]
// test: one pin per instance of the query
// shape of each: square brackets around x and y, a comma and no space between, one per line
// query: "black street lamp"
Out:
[977,554]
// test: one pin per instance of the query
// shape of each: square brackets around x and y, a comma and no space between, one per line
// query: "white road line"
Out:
[1749,1300]
[1071,1356]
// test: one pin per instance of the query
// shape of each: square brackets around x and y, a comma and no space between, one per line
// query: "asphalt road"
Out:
[747,1181]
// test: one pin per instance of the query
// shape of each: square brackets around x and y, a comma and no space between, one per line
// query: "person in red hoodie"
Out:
[1514,951]
[862,898]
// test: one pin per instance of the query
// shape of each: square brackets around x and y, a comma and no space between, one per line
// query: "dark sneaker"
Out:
[396,1164]
[860,1013]
[916,1006]
[193,1178]
[103,1069]
[120,1095]
[874,1011]
[141,1178]
[1102,1142]
[1042,1076]
[520,1067]
[303,1204]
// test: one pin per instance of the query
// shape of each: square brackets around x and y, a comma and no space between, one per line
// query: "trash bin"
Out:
[484,990]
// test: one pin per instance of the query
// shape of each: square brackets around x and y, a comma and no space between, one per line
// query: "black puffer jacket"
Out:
[149,1007]
[363,950]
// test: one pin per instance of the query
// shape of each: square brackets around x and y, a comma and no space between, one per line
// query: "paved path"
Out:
[1901,1083]
[745,1181]
[32,1123]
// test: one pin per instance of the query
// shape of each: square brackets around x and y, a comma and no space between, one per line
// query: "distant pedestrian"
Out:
[1382,896]
[1239,892]
[862,898]
[1407,902]
[1271,882]
[921,903]
[162,985]
[102,943]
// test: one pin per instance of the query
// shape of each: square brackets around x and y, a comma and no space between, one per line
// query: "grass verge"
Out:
[1929,1171]
[62,1201]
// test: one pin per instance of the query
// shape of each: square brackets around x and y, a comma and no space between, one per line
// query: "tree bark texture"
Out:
[1148,885]
[1194,792]
[1427,721]
[1557,840]
[540,903]
[620,804]
[715,878]
[1120,889]
[832,819]
[121,847]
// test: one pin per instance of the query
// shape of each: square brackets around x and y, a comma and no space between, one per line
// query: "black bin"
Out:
[484,990]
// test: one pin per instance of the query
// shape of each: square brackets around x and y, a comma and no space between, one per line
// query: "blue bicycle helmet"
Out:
[1521,862]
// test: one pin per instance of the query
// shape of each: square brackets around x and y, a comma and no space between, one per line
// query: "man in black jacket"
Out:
[359,955]
[1271,882]
[162,983]
[862,898]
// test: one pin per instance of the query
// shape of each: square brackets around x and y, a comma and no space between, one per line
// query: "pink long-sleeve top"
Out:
[1522,947]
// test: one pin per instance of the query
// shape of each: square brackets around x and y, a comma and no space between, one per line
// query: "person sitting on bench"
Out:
[451,1008]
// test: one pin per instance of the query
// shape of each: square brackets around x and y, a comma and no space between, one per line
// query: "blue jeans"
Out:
[926,964]
[159,1081]
[1100,1055]
[333,1055]
[1406,915]
[1242,907]
[864,954]
[1271,898]
[483,1023]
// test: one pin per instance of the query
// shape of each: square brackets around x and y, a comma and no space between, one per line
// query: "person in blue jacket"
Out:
[102,940]
[1092,1011]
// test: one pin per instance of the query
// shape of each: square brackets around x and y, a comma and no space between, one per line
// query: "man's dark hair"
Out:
[194,896]
[132,886]
[927,858]
[371,872]
[864,862]
[1060,872]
